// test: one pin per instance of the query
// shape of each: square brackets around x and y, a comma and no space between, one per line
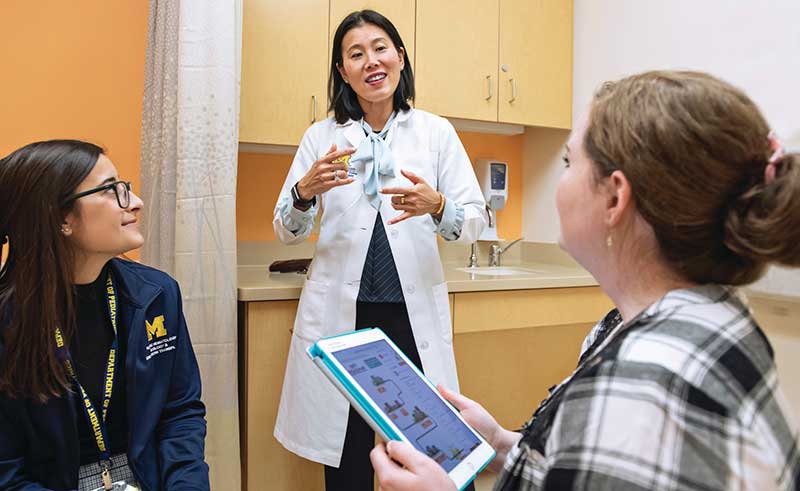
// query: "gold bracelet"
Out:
[441,205]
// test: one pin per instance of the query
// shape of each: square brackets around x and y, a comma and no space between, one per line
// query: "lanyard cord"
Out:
[97,424]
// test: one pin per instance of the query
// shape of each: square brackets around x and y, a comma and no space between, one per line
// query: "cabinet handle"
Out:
[489,80]
[313,109]
[513,90]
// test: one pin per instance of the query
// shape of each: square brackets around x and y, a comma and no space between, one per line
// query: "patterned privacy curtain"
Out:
[189,150]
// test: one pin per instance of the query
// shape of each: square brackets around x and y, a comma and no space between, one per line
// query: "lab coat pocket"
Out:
[310,311]
[442,302]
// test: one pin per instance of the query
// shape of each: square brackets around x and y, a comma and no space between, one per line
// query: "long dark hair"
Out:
[344,101]
[37,278]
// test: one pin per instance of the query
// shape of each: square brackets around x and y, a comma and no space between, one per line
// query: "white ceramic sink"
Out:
[500,270]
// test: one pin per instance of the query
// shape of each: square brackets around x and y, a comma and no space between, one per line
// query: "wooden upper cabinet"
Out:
[487,60]
[399,12]
[456,72]
[284,69]
[536,62]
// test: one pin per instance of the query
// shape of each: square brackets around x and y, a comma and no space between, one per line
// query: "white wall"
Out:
[752,44]
[542,166]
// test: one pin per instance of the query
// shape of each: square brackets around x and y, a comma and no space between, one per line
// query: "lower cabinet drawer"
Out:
[517,309]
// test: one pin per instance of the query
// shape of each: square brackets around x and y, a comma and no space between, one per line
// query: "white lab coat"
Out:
[312,417]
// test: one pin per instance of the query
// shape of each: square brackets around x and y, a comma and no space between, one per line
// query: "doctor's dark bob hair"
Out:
[344,101]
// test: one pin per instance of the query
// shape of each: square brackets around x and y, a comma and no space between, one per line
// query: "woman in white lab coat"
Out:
[390,178]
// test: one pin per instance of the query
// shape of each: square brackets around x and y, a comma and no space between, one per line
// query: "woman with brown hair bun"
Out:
[675,192]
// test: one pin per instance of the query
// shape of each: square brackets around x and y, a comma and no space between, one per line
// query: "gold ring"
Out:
[402,200]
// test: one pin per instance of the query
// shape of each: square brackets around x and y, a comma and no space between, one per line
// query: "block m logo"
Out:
[155,329]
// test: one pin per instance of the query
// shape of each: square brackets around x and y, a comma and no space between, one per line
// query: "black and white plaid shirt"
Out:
[684,397]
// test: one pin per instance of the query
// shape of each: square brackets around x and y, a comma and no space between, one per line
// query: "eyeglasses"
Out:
[121,188]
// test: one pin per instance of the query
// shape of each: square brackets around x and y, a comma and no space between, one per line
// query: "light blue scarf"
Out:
[374,152]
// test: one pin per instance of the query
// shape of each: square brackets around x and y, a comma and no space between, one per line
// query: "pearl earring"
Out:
[609,242]
[66,230]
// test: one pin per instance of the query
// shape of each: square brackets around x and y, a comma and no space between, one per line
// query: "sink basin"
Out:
[500,270]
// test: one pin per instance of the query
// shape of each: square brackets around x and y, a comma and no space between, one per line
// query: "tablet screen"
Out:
[409,402]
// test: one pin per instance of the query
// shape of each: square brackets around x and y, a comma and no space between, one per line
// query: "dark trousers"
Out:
[355,469]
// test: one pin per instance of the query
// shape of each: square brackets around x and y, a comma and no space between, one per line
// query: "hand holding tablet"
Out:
[400,467]
[399,403]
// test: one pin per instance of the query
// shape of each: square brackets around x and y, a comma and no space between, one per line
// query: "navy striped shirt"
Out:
[379,279]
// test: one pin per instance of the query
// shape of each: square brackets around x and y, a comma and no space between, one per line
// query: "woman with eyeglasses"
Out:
[99,385]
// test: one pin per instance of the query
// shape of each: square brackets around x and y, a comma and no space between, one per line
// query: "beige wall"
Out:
[779,319]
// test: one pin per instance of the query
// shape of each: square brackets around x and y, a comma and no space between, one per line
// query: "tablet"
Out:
[399,403]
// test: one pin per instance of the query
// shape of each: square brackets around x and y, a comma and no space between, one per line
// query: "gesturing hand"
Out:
[324,174]
[401,467]
[419,199]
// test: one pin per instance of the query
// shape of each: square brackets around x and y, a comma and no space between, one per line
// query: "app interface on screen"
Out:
[409,402]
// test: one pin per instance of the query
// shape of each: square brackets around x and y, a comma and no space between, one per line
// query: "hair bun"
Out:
[764,222]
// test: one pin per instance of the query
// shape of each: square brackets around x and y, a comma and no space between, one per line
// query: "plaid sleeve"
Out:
[637,426]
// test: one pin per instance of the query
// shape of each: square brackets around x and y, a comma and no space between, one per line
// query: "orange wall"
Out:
[259,180]
[506,149]
[74,70]
[261,177]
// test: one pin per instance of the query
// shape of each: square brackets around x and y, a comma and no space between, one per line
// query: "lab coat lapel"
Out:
[353,133]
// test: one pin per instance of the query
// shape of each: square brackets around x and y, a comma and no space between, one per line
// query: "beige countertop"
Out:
[533,266]
[545,264]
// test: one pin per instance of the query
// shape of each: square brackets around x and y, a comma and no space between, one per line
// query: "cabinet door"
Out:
[399,12]
[264,341]
[536,62]
[284,69]
[457,58]
[512,345]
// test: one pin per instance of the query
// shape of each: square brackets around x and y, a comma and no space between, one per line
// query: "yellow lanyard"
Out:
[98,424]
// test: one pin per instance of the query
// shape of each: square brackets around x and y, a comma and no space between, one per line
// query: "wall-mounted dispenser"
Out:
[493,180]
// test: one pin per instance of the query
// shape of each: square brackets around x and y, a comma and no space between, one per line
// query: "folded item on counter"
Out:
[290,266]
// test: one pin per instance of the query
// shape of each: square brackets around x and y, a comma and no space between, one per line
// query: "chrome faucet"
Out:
[496,252]
[489,213]
[473,257]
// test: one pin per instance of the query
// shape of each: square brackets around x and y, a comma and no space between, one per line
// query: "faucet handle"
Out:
[494,255]
[473,256]
[496,251]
